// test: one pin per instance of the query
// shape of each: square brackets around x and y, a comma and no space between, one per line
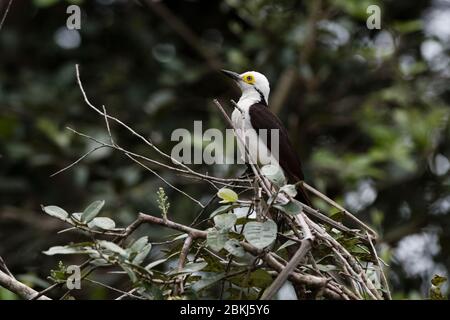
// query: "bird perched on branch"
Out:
[252,114]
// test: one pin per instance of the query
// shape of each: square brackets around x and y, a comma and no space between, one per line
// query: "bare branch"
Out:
[142,138]
[179,289]
[304,248]
[127,294]
[18,287]
[165,181]
[5,14]
[5,268]
[336,205]
[269,257]
[124,293]
[195,233]
[387,292]
[78,160]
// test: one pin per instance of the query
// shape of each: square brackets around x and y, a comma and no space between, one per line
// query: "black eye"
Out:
[249,78]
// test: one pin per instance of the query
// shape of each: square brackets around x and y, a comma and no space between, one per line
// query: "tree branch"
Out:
[18,287]
[179,289]
[5,14]
[195,233]
[296,259]
[268,257]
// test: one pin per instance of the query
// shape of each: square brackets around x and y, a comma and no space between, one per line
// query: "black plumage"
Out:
[262,118]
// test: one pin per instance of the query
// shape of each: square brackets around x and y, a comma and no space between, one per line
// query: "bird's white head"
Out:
[253,84]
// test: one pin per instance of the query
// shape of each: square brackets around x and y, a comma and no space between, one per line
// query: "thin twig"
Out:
[387,292]
[185,169]
[127,294]
[179,287]
[78,160]
[5,14]
[124,293]
[165,181]
[195,233]
[348,260]
[336,205]
[5,268]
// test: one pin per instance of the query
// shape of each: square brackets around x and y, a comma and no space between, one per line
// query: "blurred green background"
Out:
[366,109]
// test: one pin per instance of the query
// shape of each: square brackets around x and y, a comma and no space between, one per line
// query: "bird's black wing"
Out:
[262,118]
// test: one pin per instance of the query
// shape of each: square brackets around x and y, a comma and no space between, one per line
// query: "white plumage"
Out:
[256,144]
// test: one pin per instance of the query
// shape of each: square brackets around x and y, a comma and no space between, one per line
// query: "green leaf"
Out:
[227,195]
[286,244]
[143,253]
[274,174]
[155,263]
[213,263]
[102,223]
[55,211]
[223,209]
[206,281]
[338,216]
[150,291]
[111,246]
[130,273]
[359,249]
[260,234]
[225,221]
[191,267]
[292,208]
[139,244]
[92,210]
[233,246]
[65,250]
[76,216]
[289,189]
[260,278]
[215,239]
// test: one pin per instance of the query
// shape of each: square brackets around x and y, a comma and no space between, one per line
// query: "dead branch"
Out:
[185,169]
[270,258]
[17,287]
[5,14]
[182,261]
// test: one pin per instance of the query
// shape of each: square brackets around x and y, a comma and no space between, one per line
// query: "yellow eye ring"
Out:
[248,78]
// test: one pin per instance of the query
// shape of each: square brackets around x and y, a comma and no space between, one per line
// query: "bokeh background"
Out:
[368,111]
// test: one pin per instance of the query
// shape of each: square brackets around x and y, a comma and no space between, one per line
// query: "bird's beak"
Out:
[233,75]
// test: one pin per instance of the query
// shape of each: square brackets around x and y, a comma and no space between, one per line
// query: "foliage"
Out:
[231,255]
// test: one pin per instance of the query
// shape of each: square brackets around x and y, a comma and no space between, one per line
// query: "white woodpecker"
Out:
[253,116]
